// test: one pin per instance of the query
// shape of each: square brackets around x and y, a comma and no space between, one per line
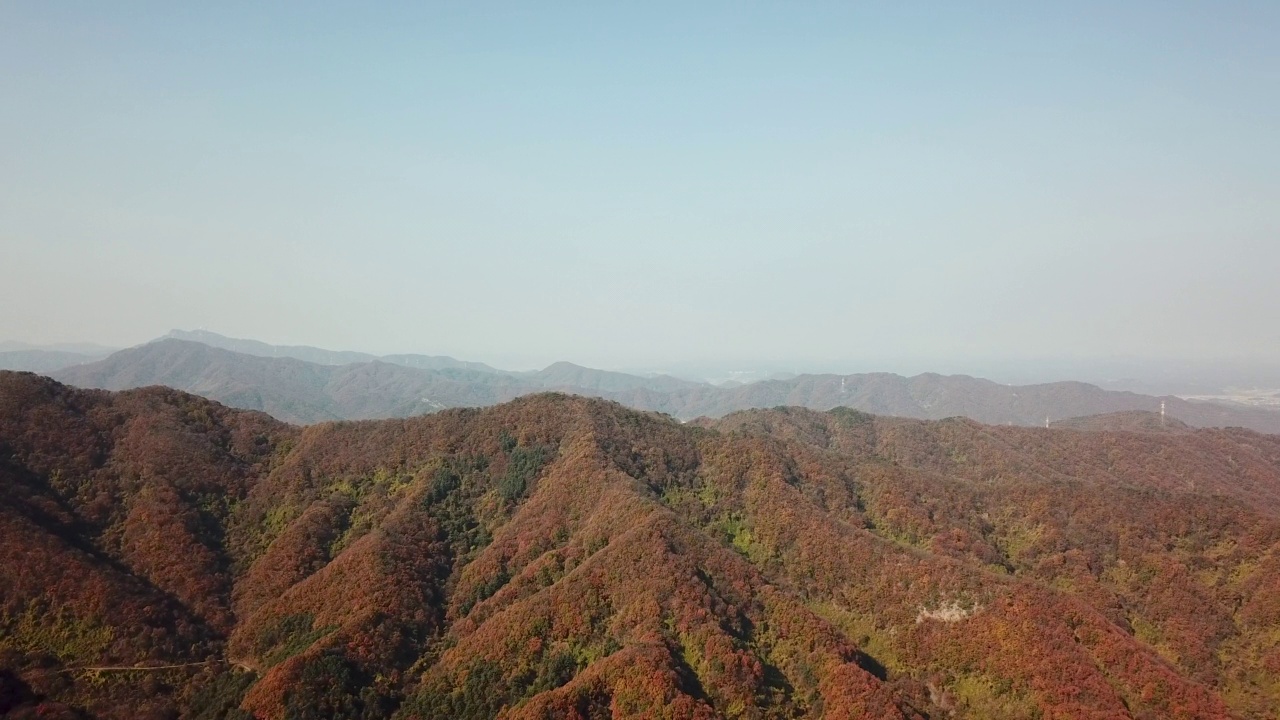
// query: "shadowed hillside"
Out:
[565,557]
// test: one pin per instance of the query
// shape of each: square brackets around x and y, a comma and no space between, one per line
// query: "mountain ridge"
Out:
[44,361]
[321,356]
[379,389]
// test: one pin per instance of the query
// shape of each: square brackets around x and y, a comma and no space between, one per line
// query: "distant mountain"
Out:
[44,361]
[79,348]
[321,356]
[302,392]
[260,349]
[566,374]
[164,556]
[292,389]
[932,396]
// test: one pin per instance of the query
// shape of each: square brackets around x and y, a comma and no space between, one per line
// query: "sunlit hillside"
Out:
[558,557]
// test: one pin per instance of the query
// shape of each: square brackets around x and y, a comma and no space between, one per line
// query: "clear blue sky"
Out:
[740,183]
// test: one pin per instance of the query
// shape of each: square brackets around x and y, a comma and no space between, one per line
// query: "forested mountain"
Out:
[297,391]
[565,557]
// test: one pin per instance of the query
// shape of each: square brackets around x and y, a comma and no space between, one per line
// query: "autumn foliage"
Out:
[561,557]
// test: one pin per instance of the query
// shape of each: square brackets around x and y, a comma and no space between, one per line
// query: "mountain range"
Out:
[48,358]
[301,391]
[162,555]
[321,356]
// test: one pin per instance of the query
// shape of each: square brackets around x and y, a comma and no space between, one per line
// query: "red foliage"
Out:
[564,557]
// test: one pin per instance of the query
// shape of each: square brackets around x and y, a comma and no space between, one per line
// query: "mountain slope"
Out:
[564,557]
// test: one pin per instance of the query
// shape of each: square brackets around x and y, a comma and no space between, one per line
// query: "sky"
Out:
[647,184]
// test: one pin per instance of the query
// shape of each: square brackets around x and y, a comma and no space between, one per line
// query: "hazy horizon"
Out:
[1161,376]
[644,188]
